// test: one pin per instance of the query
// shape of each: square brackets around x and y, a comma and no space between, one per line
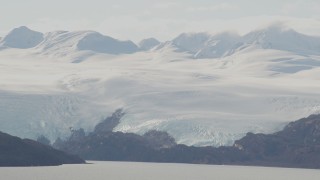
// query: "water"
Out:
[155,171]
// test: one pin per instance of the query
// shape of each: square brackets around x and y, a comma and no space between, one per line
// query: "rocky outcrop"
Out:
[25,152]
[297,145]
[159,139]
[109,123]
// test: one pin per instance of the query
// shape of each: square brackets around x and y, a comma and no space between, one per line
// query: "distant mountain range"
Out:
[204,45]
[64,41]
[199,45]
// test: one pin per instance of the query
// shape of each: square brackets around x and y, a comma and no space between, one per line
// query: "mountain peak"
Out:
[97,42]
[205,45]
[148,44]
[276,27]
[191,42]
[22,28]
[270,31]
[62,43]
[276,36]
[282,38]
[22,38]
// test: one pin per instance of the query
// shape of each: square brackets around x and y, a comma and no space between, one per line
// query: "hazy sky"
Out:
[163,19]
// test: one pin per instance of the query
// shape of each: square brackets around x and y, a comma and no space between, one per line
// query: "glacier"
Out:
[203,89]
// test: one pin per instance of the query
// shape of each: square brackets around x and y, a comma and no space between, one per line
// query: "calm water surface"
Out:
[154,171]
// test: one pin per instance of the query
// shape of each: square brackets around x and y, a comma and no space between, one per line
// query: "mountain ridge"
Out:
[205,45]
[200,45]
[64,42]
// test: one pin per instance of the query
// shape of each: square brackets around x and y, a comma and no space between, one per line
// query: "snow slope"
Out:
[211,101]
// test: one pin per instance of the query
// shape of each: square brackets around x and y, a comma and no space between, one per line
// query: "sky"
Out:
[162,19]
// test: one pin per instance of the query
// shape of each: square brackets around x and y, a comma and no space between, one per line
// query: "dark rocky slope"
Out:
[297,145]
[25,152]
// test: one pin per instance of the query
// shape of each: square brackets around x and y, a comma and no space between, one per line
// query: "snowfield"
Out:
[145,171]
[251,87]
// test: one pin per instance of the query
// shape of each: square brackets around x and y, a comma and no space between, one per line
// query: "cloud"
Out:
[136,28]
[291,7]
[165,5]
[166,29]
[301,8]
[50,24]
[216,7]
[116,6]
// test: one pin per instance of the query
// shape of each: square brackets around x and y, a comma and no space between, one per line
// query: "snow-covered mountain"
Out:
[62,43]
[252,83]
[21,38]
[103,44]
[83,44]
[278,38]
[204,45]
[148,44]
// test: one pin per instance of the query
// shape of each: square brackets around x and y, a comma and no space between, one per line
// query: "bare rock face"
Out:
[159,139]
[43,140]
[305,131]
[109,123]
[297,145]
[77,135]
